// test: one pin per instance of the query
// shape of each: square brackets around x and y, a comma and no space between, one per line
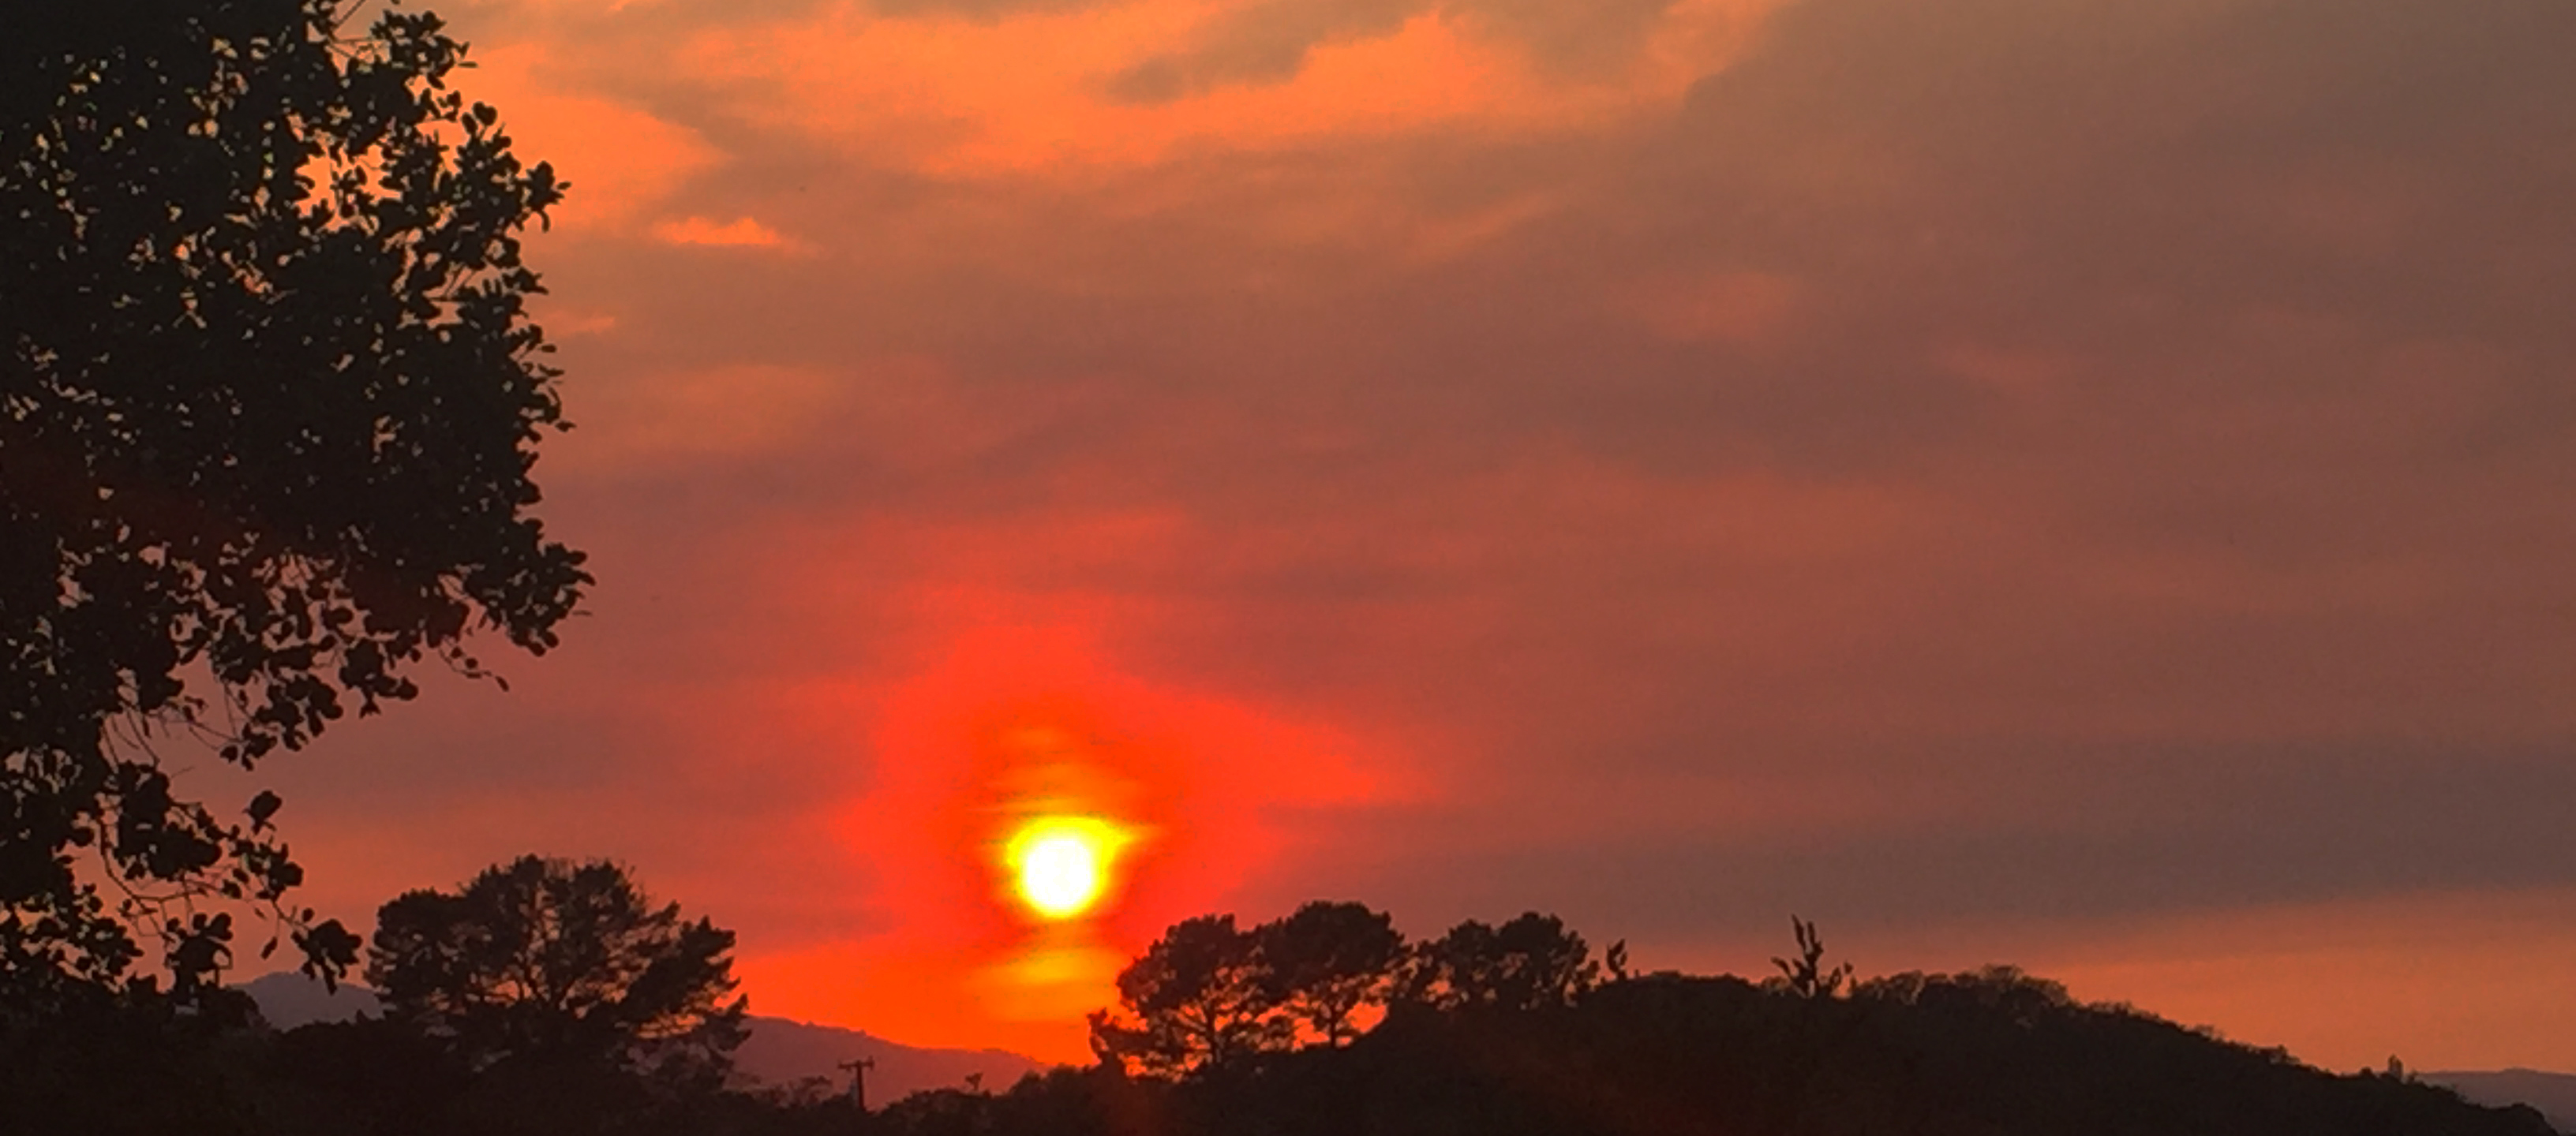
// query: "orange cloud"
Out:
[962,95]
[741,232]
[619,160]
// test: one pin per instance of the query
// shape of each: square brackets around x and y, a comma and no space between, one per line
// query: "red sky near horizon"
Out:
[1018,725]
[2076,483]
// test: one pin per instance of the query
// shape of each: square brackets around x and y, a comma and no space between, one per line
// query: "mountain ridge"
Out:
[2554,1094]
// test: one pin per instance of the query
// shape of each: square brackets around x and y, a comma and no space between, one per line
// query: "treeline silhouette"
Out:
[1209,994]
[547,996]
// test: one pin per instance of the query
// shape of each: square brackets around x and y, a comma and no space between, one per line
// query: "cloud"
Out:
[958,96]
[1265,42]
[741,232]
[987,90]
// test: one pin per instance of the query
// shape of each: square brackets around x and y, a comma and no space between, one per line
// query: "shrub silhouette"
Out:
[1807,976]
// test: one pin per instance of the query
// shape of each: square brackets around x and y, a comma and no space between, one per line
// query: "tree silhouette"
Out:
[269,398]
[1327,961]
[1201,995]
[555,963]
[1530,962]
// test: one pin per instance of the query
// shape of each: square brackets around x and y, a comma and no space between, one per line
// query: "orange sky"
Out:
[2054,481]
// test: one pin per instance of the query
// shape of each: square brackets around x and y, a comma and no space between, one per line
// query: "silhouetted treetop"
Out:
[1208,992]
[269,399]
[1329,961]
[1531,962]
[1201,995]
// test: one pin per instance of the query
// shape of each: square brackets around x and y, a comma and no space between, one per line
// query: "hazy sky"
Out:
[2083,483]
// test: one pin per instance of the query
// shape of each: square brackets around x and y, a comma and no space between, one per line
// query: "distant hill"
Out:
[778,1051]
[782,1052]
[2554,1094]
[287,1000]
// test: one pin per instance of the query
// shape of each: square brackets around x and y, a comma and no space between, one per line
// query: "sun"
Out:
[1060,876]
[1061,865]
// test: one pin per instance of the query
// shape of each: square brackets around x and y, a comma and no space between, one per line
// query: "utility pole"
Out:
[859,1082]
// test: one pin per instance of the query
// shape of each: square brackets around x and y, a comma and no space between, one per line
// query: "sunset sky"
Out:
[2078,483]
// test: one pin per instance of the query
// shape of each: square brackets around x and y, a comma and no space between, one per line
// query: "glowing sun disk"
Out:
[1060,875]
[1061,864]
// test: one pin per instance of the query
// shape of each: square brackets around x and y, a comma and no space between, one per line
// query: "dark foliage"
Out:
[385,1078]
[269,398]
[363,1078]
[547,967]
[117,1063]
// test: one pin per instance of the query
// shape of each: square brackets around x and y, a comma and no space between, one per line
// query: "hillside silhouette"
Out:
[1991,1053]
